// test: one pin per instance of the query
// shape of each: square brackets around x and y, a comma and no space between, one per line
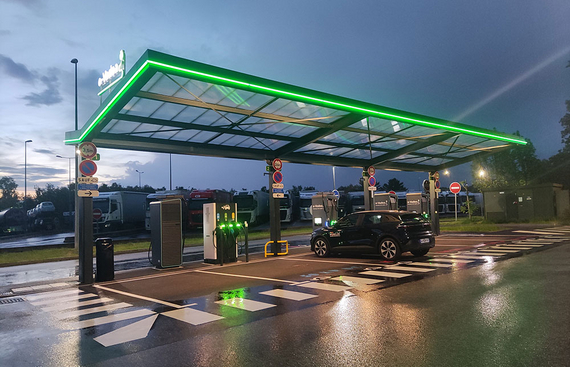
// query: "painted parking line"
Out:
[408,268]
[536,232]
[521,243]
[463,257]
[452,260]
[422,263]
[387,274]
[324,286]
[109,319]
[245,304]
[506,248]
[192,316]
[327,261]
[502,251]
[35,297]
[245,276]
[484,252]
[68,298]
[135,331]
[291,295]
[69,305]
[92,310]
[535,242]
[358,280]
[133,295]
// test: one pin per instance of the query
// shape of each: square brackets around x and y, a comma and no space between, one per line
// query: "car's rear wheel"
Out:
[322,247]
[421,252]
[389,249]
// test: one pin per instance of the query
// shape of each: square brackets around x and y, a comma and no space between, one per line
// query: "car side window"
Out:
[372,219]
[390,219]
[348,221]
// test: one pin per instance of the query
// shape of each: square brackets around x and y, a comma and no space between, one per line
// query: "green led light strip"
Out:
[146,64]
[110,85]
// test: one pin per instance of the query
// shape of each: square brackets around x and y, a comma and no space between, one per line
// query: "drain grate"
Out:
[6,301]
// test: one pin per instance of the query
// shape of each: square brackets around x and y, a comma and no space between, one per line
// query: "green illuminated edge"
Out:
[112,84]
[279,92]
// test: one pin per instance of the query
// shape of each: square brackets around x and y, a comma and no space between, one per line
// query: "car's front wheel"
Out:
[389,249]
[322,247]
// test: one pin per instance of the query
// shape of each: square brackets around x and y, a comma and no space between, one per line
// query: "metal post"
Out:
[86,241]
[455,207]
[367,200]
[274,218]
[170,171]
[76,216]
[434,215]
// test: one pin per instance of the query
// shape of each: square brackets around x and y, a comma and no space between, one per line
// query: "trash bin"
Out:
[105,260]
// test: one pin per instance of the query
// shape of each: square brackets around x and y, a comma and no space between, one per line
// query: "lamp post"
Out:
[76,217]
[26,169]
[140,173]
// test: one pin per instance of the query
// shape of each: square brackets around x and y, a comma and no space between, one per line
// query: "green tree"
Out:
[9,196]
[511,167]
[393,184]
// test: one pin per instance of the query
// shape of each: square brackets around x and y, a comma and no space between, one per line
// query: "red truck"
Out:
[200,197]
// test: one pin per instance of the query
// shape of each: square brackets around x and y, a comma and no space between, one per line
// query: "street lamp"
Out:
[26,168]
[482,173]
[140,173]
[76,217]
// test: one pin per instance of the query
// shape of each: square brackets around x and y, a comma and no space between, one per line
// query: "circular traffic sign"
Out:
[336,193]
[392,192]
[371,171]
[277,177]
[371,181]
[88,168]
[437,184]
[97,213]
[277,164]
[455,187]
[436,175]
[88,150]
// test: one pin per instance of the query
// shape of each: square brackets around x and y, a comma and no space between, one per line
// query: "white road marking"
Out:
[328,261]
[514,247]
[132,295]
[357,280]
[134,331]
[536,242]
[292,295]
[35,297]
[501,250]
[385,274]
[450,260]
[521,243]
[483,253]
[408,268]
[324,286]
[76,297]
[245,304]
[246,276]
[536,232]
[91,310]
[462,256]
[68,305]
[192,316]
[427,263]
[110,318]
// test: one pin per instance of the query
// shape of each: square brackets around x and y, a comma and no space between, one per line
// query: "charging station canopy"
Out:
[172,105]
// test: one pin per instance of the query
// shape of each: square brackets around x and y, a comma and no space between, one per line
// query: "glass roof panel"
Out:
[202,137]
[144,107]
[309,148]
[392,144]
[296,131]
[462,153]
[184,135]
[164,85]
[330,151]
[123,127]
[167,134]
[434,149]
[168,111]
[152,81]
[189,114]
[362,154]
[129,105]
[144,128]
[348,137]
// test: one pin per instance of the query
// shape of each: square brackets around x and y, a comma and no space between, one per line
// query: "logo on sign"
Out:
[226,207]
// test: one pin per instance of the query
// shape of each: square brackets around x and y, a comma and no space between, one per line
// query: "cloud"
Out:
[5,32]
[48,97]
[45,151]
[16,70]
[31,4]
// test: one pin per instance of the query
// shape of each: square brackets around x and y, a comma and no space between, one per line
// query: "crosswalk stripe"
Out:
[460,256]
[452,260]
[192,316]
[535,232]
[483,253]
[108,319]
[292,295]
[421,263]
[324,286]
[37,296]
[521,243]
[69,305]
[63,299]
[385,274]
[92,310]
[245,304]
[408,268]
[135,331]
[494,249]
[358,280]
[507,247]
[537,242]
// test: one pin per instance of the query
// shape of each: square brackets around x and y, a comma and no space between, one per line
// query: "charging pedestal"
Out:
[221,230]
[324,209]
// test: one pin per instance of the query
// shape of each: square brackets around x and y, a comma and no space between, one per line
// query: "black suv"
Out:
[386,232]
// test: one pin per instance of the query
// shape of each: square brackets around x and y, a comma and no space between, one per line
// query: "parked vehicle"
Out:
[43,216]
[167,194]
[252,206]
[388,233]
[287,207]
[356,201]
[12,220]
[305,202]
[121,209]
[196,204]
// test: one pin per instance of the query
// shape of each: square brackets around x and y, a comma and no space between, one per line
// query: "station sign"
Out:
[87,193]
[455,187]
[88,150]
[277,164]
[87,186]
[277,186]
[88,168]
[87,180]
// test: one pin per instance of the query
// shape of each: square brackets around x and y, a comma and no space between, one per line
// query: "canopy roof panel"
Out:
[172,105]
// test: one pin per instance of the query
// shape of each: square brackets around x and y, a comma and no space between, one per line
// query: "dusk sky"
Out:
[489,64]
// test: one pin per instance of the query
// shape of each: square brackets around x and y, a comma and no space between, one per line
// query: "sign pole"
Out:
[455,207]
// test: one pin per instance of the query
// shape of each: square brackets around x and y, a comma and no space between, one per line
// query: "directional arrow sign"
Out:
[87,193]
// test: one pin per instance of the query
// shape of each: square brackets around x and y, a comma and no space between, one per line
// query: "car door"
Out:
[370,229]
[351,231]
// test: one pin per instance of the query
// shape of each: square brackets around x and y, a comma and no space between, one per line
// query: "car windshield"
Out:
[244,202]
[198,204]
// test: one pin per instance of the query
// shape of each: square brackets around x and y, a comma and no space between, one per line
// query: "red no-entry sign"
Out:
[455,187]
[97,214]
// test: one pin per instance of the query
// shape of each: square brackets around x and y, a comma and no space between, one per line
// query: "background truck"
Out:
[121,209]
[305,202]
[252,206]
[196,204]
